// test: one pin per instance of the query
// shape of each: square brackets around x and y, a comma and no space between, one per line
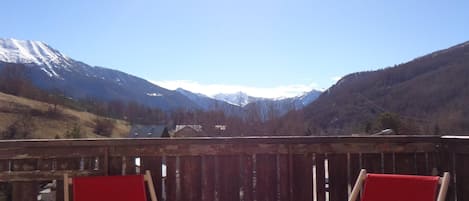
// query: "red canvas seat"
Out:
[110,188]
[392,187]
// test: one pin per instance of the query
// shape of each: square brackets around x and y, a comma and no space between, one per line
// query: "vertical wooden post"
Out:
[320,177]
[66,189]
[106,162]
[25,191]
[290,172]
[124,165]
[59,191]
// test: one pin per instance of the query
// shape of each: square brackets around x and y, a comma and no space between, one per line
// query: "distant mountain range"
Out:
[240,103]
[240,98]
[207,104]
[430,94]
[52,70]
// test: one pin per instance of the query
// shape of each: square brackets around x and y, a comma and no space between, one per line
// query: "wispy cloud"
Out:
[212,89]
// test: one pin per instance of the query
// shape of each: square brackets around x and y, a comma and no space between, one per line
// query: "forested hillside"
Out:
[428,95]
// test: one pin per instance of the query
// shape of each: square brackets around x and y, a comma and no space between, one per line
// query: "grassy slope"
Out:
[12,107]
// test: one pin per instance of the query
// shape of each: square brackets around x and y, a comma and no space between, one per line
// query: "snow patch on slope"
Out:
[154,94]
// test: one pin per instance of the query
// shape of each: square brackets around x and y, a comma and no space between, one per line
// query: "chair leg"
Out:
[358,185]
[151,187]
[443,187]
[66,190]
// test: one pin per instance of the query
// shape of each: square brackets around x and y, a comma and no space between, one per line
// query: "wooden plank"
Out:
[246,175]
[103,142]
[320,177]
[455,146]
[446,163]
[389,166]
[94,164]
[283,171]
[86,163]
[190,169]
[217,178]
[302,177]
[354,169]
[422,164]
[42,176]
[4,167]
[44,164]
[462,186]
[25,191]
[90,143]
[433,163]
[115,166]
[208,178]
[197,150]
[372,162]
[360,147]
[46,152]
[128,165]
[68,163]
[290,173]
[230,182]
[24,165]
[405,163]
[266,177]
[106,161]
[224,148]
[171,179]
[274,148]
[59,191]
[154,165]
[338,177]
[262,148]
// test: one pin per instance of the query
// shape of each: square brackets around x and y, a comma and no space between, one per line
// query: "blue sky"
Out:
[264,47]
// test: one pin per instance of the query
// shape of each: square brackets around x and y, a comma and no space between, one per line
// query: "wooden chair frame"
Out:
[444,182]
[147,178]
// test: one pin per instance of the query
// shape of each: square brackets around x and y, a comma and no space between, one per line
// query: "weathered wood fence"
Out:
[237,169]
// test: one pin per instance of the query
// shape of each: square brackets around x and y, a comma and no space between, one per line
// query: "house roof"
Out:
[196,128]
[144,131]
[188,131]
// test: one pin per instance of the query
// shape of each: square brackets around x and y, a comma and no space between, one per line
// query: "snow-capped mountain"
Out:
[242,99]
[267,108]
[239,98]
[206,103]
[51,70]
[306,98]
[34,52]
[242,103]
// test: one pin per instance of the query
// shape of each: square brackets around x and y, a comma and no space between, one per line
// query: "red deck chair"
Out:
[110,188]
[392,187]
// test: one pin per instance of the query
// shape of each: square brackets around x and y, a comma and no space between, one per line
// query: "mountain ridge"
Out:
[427,94]
[238,98]
[52,70]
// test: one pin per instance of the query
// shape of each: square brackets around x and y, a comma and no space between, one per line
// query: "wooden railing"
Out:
[241,169]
